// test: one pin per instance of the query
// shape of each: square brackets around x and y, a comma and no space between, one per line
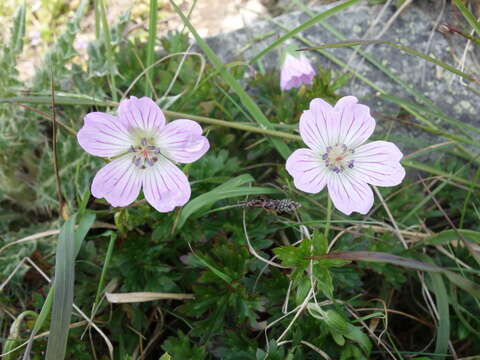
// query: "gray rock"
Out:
[412,28]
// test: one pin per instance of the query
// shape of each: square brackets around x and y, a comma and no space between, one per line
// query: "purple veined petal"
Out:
[319,125]
[182,141]
[377,163]
[104,135]
[349,194]
[356,123]
[378,151]
[345,102]
[308,172]
[165,186]
[119,181]
[142,114]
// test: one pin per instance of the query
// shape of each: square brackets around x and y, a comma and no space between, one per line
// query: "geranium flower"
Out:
[144,149]
[336,157]
[295,72]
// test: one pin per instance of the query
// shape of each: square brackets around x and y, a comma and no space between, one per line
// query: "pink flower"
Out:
[336,157]
[144,149]
[295,72]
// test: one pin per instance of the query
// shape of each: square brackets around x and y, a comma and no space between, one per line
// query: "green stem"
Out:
[152,37]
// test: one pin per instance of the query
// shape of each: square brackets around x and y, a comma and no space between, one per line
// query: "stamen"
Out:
[137,161]
[337,158]
[144,153]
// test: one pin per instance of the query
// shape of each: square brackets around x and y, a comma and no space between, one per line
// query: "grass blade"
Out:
[109,49]
[246,100]
[443,331]
[302,27]
[400,47]
[232,188]
[152,37]
[380,257]
[69,241]
[472,20]
[63,292]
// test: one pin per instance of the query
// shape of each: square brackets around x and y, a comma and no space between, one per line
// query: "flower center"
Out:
[146,154]
[338,158]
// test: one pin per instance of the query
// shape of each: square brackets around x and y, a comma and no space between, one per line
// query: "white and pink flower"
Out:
[338,158]
[144,150]
[295,72]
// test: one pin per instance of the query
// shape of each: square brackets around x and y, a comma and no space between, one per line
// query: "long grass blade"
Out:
[152,38]
[246,100]
[302,27]
[443,330]
[233,188]
[467,14]
[400,47]
[380,257]
[69,242]
[63,292]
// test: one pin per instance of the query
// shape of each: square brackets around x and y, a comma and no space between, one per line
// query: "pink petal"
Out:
[103,135]
[349,194]
[319,125]
[142,114]
[378,163]
[308,172]
[181,140]
[119,181]
[165,186]
[295,72]
[356,123]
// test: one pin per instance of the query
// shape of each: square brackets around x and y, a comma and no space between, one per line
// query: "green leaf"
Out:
[320,243]
[336,322]
[63,292]
[86,222]
[357,335]
[69,242]
[230,189]
[18,32]
[442,302]
[467,14]
[469,286]
[324,278]
[295,256]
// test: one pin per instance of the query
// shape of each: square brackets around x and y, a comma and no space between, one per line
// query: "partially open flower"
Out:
[336,157]
[296,71]
[144,149]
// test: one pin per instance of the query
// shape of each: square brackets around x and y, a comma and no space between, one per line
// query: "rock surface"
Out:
[413,28]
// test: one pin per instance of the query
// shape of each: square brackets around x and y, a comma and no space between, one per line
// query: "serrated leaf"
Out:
[324,278]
